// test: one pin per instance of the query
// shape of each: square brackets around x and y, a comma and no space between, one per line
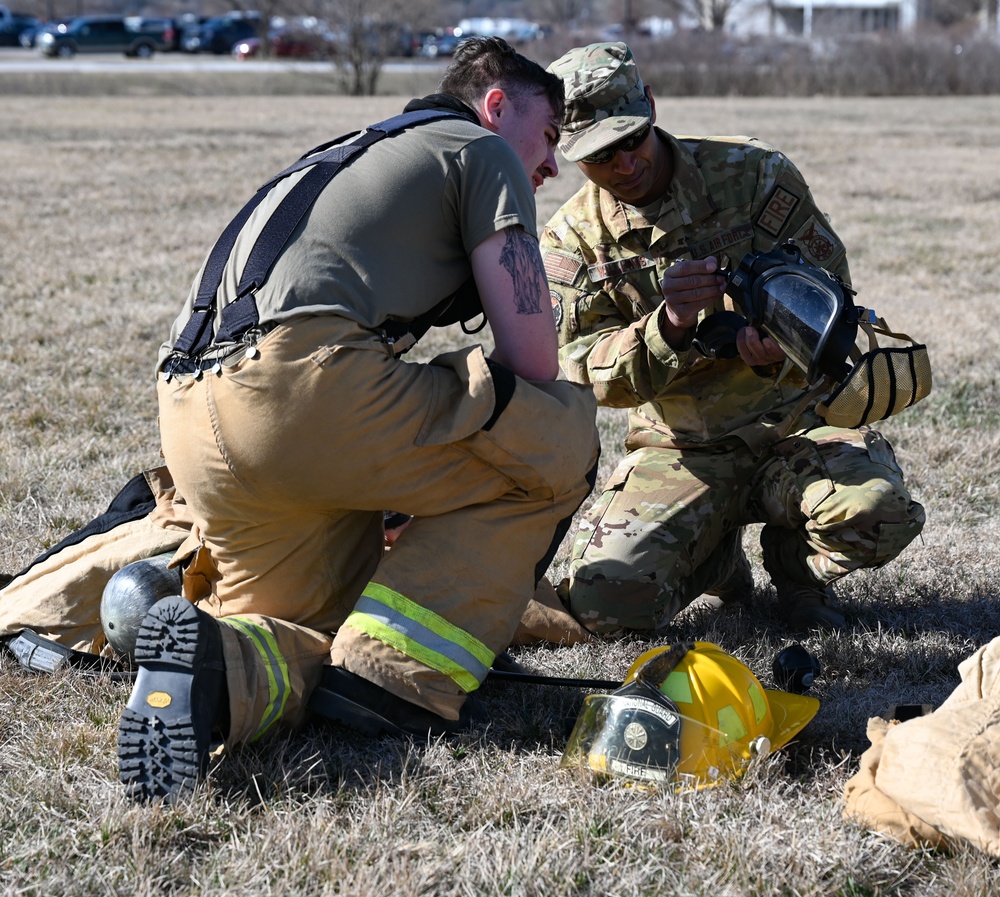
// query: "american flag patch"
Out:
[561,268]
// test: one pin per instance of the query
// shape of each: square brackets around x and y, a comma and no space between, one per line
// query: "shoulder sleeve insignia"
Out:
[818,245]
[605,270]
[557,310]
[560,267]
[780,205]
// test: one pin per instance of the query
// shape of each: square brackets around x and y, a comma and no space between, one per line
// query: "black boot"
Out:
[366,707]
[179,701]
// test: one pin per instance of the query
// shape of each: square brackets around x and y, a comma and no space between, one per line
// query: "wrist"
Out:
[674,335]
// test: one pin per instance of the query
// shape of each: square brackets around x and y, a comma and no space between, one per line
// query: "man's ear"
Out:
[493,106]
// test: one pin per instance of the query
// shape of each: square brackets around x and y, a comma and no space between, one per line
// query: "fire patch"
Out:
[781,204]
[818,245]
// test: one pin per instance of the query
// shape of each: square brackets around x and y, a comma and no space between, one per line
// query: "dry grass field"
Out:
[108,206]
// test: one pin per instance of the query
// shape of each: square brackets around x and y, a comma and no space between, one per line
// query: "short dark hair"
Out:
[482,63]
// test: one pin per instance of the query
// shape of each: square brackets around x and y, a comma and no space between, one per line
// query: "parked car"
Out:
[289,44]
[13,25]
[184,24]
[97,34]
[417,41]
[218,34]
[441,44]
[29,37]
[162,30]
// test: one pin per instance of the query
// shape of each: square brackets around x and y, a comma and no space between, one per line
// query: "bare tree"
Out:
[561,12]
[710,14]
[366,33]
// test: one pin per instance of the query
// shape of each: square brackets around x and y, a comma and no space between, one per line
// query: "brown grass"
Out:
[109,206]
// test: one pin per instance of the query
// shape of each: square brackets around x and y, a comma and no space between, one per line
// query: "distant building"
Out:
[830,17]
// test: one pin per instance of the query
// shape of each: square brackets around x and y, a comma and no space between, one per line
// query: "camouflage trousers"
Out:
[662,533]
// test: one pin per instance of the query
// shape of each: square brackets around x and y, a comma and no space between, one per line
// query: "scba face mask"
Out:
[810,313]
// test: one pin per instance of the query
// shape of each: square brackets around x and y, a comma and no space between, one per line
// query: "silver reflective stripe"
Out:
[421,634]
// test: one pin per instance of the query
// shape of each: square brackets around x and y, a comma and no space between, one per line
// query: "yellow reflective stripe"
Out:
[434,622]
[420,633]
[404,644]
[277,671]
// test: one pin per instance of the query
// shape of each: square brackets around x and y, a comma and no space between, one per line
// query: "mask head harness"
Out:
[810,313]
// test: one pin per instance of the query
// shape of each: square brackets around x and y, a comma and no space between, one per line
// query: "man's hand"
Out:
[688,287]
[758,350]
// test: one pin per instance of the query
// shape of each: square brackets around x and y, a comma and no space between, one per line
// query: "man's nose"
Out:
[550,168]
[624,162]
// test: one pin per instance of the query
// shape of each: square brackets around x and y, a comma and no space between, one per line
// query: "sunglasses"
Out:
[625,145]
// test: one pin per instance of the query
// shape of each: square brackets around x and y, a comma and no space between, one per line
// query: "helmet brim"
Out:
[789,715]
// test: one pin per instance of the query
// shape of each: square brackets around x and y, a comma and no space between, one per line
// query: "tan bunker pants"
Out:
[288,460]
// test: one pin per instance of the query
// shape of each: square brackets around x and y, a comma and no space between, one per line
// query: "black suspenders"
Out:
[241,315]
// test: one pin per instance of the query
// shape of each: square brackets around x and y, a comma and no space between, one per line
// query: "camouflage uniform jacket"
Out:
[729,196]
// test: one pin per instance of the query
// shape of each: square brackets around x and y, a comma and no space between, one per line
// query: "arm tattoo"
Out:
[523,263]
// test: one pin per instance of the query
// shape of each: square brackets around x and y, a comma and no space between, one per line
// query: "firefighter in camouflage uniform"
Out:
[634,262]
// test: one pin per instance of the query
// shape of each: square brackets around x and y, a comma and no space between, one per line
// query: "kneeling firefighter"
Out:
[290,421]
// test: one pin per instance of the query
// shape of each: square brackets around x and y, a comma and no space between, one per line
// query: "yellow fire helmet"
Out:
[690,714]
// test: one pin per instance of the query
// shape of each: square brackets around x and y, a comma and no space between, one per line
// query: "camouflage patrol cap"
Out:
[605,98]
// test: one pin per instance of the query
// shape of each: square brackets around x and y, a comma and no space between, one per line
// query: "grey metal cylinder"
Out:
[129,595]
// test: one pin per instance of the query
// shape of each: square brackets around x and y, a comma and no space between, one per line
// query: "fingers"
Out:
[688,287]
[757,350]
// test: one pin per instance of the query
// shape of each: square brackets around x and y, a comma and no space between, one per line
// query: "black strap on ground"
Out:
[241,315]
[539,679]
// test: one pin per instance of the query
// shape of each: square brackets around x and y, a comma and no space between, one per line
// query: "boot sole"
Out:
[162,750]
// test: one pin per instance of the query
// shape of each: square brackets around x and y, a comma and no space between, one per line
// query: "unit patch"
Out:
[818,245]
[781,204]
[557,311]
[604,270]
[720,242]
[561,268]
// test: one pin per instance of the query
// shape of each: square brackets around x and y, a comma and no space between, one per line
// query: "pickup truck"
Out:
[132,36]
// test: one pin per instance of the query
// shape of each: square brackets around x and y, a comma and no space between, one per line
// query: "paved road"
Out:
[18,59]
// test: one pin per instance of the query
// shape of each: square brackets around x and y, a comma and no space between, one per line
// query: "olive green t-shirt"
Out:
[392,232]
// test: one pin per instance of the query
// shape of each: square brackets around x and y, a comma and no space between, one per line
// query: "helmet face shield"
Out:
[648,739]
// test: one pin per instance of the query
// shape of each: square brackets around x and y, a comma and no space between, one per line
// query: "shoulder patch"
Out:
[780,205]
[818,245]
[561,267]
[604,270]
[557,310]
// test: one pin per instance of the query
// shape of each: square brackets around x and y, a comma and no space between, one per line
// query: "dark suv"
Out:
[100,34]
[219,33]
